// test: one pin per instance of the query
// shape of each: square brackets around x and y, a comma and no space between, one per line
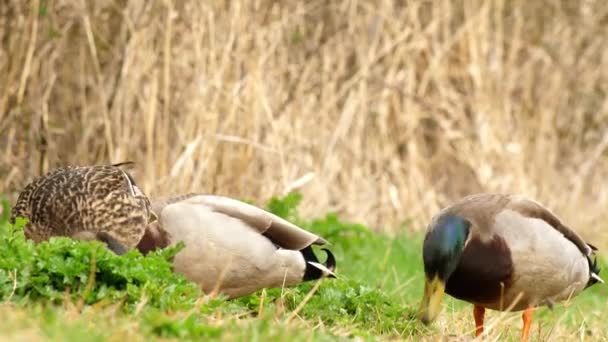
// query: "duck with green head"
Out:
[503,252]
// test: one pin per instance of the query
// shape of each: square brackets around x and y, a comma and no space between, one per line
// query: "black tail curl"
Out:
[313,272]
[593,270]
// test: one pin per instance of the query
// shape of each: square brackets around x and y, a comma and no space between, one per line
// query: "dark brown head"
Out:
[155,237]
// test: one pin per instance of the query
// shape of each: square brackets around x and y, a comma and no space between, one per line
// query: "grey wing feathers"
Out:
[534,209]
[483,207]
[277,229]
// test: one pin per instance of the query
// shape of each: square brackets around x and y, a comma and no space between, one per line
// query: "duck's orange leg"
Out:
[527,318]
[478,312]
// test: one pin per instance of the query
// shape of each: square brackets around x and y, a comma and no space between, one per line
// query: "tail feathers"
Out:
[326,271]
[316,269]
[594,272]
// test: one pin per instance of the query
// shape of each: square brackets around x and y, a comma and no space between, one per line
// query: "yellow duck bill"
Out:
[431,302]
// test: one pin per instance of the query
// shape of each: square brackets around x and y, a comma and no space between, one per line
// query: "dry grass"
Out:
[459,326]
[381,111]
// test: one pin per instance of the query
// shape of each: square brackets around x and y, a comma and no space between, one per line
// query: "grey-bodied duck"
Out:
[503,252]
[234,248]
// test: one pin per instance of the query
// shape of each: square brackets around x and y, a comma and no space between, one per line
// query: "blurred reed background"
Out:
[381,111]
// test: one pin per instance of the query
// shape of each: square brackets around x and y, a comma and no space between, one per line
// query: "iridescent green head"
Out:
[441,253]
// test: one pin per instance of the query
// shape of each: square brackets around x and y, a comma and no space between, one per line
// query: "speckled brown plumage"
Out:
[85,202]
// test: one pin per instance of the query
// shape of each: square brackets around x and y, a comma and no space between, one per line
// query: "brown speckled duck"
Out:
[85,202]
[234,248]
[503,252]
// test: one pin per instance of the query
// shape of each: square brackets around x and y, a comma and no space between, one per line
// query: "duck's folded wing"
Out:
[484,206]
[280,231]
[533,209]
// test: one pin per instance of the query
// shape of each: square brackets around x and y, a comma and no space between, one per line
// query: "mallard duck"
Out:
[85,202]
[234,248]
[503,252]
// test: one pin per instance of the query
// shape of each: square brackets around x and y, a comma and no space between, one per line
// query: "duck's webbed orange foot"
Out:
[527,318]
[478,312]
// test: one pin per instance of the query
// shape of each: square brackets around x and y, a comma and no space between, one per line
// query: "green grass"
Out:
[48,293]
